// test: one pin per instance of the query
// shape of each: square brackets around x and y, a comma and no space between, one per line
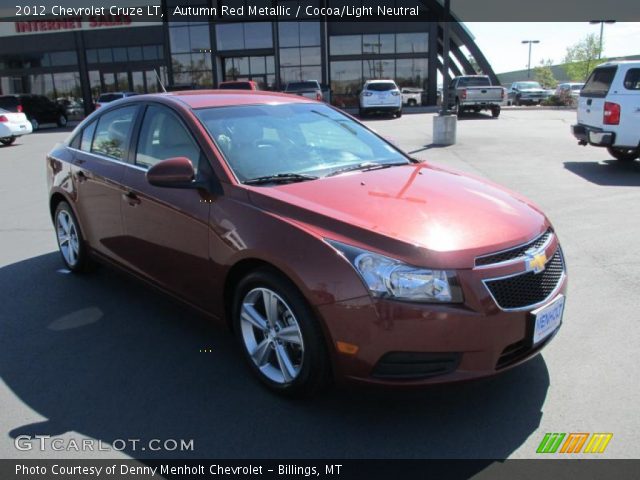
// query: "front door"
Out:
[167,229]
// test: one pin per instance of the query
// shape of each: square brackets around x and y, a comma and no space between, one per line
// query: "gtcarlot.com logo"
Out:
[44,443]
[573,443]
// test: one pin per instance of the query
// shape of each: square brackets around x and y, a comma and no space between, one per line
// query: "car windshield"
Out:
[524,85]
[110,97]
[474,82]
[293,139]
[381,86]
[302,86]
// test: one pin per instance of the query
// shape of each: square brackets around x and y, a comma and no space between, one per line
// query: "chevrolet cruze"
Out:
[328,251]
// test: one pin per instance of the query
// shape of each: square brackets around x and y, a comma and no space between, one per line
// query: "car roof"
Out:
[380,80]
[225,98]
[619,62]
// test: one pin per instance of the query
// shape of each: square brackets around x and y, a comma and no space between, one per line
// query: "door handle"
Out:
[131,198]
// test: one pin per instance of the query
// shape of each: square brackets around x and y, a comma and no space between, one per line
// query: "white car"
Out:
[411,96]
[380,96]
[609,110]
[12,126]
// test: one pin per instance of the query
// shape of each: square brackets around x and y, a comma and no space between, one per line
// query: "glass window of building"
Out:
[412,42]
[378,43]
[411,72]
[345,45]
[300,54]
[241,36]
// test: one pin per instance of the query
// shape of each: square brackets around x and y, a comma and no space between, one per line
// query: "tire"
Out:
[459,109]
[62,120]
[517,102]
[495,112]
[624,154]
[71,243]
[411,102]
[305,351]
[362,112]
[35,125]
[399,114]
[7,140]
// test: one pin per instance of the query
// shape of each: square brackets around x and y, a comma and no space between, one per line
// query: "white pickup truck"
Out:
[609,110]
[475,93]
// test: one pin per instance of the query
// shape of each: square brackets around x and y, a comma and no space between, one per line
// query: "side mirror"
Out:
[175,172]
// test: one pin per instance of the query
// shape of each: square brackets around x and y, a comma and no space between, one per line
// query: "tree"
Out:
[582,57]
[544,75]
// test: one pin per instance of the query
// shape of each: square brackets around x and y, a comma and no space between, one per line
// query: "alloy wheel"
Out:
[271,335]
[68,238]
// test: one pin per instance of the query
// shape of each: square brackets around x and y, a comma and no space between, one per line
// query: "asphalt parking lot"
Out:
[104,357]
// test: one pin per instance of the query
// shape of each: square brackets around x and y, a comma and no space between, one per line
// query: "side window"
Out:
[113,131]
[632,79]
[87,137]
[163,136]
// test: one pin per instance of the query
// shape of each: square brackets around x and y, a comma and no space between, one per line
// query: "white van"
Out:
[609,110]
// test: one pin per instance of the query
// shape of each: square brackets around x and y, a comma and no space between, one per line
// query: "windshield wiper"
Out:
[365,167]
[280,178]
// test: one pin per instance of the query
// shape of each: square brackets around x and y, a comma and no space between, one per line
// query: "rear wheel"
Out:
[279,334]
[7,140]
[517,102]
[412,102]
[624,154]
[62,121]
[70,242]
[34,124]
[495,112]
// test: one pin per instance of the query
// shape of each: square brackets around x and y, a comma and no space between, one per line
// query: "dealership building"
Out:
[78,57]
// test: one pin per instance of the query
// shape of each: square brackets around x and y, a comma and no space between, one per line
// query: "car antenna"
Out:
[159,80]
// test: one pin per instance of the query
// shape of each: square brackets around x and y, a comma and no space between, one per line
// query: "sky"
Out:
[501,41]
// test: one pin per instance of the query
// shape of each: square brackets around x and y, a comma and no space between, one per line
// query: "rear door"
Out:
[593,95]
[97,172]
[167,229]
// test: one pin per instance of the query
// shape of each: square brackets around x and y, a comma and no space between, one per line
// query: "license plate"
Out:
[23,127]
[548,319]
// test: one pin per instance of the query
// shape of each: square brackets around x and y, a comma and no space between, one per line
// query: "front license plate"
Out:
[548,319]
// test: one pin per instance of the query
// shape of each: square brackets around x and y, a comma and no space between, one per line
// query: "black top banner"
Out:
[127,11]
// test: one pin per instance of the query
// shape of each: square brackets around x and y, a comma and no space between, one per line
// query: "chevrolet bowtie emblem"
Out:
[535,261]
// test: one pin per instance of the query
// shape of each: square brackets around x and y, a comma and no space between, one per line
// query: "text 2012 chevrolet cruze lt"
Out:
[329,252]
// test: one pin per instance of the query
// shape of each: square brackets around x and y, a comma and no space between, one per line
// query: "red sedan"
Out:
[327,250]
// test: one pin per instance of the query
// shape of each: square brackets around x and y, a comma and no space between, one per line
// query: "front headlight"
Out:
[386,277]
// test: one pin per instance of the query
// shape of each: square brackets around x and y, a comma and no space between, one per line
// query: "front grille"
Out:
[415,365]
[513,253]
[528,288]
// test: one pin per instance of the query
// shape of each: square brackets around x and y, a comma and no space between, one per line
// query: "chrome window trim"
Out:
[518,259]
[533,305]
[109,159]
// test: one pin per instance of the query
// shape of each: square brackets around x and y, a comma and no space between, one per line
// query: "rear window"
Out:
[235,86]
[599,82]
[381,86]
[576,87]
[474,82]
[303,86]
[632,79]
[110,97]
[9,103]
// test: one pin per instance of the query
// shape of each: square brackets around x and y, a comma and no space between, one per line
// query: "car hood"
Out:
[418,213]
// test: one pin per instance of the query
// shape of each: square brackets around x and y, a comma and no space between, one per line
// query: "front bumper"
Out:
[412,344]
[592,136]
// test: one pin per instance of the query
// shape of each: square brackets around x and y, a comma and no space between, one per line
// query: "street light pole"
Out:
[529,63]
[601,22]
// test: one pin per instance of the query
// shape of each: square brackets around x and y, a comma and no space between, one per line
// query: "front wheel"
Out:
[7,140]
[279,334]
[70,242]
[624,154]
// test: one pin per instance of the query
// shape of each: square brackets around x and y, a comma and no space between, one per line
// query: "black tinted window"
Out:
[302,86]
[599,82]
[113,131]
[163,136]
[9,103]
[474,82]
[381,87]
[632,79]
[109,97]
[235,86]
